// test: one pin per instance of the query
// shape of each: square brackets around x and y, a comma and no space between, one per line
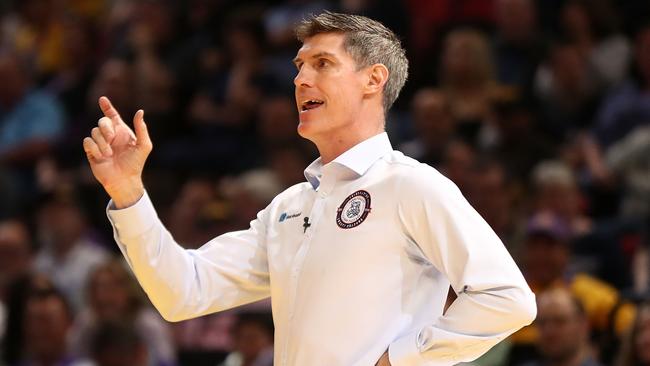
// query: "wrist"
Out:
[127,193]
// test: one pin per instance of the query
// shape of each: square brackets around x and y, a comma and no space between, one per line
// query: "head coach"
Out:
[358,259]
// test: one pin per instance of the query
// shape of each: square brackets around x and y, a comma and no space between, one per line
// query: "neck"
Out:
[335,146]
[337,142]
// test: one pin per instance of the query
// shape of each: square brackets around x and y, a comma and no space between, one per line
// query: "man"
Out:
[46,326]
[563,331]
[115,344]
[358,260]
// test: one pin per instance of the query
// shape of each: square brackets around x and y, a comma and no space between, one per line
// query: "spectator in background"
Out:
[117,344]
[114,296]
[15,254]
[492,194]
[433,124]
[276,122]
[153,46]
[114,78]
[72,82]
[30,119]
[68,252]
[15,261]
[518,45]
[547,264]
[458,162]
[16,296]
[628,107]
[556,190]
[598,243]
[253,341]
[517,142]
[467,80]
[592,25]
[189,215]
[635,350]
[567,90]
[626,163]
[47,323]
[35,32]
[563,331]
[279,21]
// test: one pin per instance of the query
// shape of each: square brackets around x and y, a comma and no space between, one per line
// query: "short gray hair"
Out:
[368,42]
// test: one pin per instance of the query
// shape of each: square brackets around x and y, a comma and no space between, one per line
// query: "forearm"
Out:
[183,283]
[474,323]
[161,266]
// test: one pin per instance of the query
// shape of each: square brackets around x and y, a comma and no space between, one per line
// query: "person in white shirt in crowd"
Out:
[358,260]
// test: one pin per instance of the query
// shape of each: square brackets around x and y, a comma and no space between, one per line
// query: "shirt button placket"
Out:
[294,277]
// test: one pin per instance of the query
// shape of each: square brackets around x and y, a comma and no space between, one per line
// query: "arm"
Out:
[493,298]
[228,271]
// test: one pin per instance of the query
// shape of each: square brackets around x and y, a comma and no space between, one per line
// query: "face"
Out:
[431,116]
[544,260]
[62,223]
[562,199]
[329,88]
[46,326]
[110,296]
[562,329]
[14,251]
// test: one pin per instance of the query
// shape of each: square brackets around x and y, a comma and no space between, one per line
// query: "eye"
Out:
[322,63]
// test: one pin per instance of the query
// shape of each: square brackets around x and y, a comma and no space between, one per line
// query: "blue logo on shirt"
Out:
[284,216]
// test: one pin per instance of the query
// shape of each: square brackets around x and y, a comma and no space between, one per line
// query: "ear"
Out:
[377,78]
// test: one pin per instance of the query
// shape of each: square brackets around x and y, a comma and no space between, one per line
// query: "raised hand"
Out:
[117,155]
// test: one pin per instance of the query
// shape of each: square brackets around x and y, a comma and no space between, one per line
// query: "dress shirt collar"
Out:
[357,159]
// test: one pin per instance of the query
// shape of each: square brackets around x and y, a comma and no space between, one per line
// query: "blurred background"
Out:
[538,110]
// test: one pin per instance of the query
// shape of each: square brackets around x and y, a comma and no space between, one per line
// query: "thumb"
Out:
[143,141]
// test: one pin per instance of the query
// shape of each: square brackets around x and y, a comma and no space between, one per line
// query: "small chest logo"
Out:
[354,210]
[286,216]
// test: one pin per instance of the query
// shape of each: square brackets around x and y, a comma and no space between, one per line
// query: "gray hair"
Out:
[550,172]
[368,42]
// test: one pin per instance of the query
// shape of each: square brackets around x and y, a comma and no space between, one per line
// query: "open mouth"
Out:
[310,104]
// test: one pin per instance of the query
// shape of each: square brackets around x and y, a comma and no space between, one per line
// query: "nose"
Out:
[303,78]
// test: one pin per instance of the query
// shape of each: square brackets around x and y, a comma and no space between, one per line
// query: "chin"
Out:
[307,128]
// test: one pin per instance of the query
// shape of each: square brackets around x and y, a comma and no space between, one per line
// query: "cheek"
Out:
[346,88]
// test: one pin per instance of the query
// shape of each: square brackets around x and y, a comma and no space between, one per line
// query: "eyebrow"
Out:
[317,55]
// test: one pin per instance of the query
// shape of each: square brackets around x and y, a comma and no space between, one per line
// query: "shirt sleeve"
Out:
[493,300]
[228,271]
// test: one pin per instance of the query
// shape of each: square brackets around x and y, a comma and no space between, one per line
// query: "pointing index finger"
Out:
[109,110]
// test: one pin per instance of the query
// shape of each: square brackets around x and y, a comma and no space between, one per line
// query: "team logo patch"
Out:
[354,210]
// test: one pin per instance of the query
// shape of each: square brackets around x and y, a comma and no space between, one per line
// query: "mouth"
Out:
[310,104]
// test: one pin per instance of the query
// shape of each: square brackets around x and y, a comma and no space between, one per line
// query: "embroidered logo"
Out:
[354,210]
[285,216]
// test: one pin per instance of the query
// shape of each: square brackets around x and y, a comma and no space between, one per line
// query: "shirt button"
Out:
[323,194]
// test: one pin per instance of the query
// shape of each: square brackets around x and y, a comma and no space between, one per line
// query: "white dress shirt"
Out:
[357,260]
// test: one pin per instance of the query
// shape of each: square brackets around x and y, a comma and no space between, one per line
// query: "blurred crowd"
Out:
[538,110]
